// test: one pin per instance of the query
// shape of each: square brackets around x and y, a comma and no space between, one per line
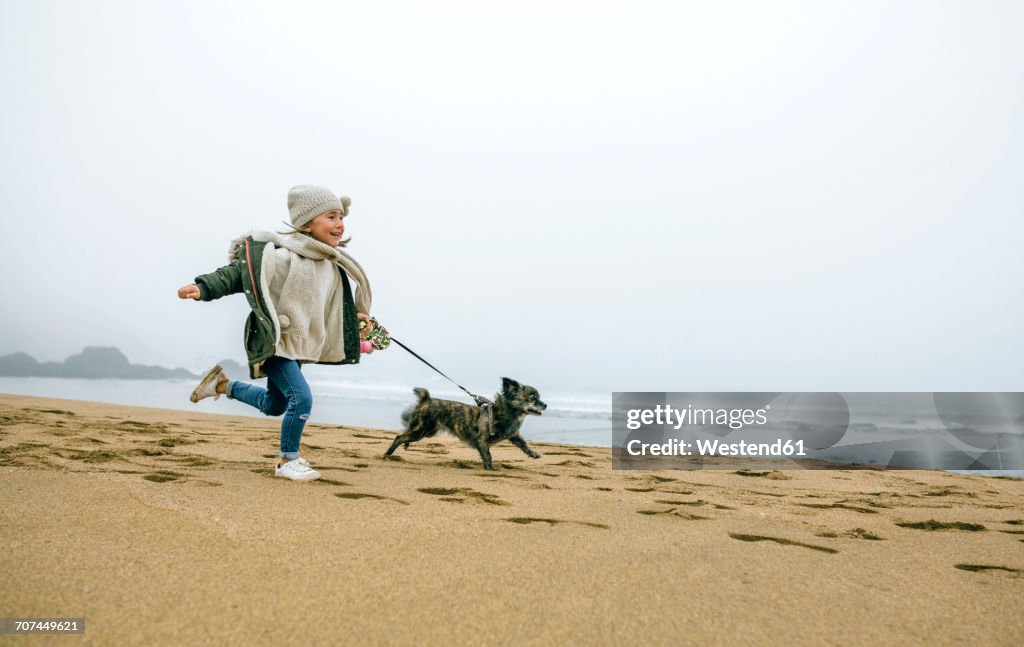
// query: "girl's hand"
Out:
[190,291]
[365,330]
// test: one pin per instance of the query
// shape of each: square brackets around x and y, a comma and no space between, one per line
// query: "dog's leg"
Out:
[399,439]
[521,444]
[483,447]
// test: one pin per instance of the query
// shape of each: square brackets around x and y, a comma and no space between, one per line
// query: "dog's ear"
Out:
[508,385]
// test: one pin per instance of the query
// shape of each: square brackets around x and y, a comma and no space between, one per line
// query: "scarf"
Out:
[310,248]
[299,306]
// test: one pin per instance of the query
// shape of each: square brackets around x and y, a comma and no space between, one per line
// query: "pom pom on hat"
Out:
[307,202]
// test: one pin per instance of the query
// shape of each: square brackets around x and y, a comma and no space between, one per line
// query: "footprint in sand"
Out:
[59,412]
[143,451]
[29,454]
[780,540]
[932,524]
[854,533]
[1014,522]
[774,475]
[459,464]
[141,427]
[332,482]
[477,465]
[462,494]
[163,476]
[698,502]
[363,495]
[96,456]
[175,441]
[375,437]
[861,533]
[674,512]
[572,463]
[949,490]
[777,495]
[192,460]
[342,468]
[428,449]
[984,568]
[838,506]
[553,522]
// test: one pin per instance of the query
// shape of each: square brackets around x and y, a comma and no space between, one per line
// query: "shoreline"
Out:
[160,526]
[329,407]
[532,435]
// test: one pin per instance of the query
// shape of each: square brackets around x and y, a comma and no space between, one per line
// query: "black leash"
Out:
[479,399]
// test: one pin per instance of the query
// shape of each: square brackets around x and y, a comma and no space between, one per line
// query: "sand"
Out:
[167,527]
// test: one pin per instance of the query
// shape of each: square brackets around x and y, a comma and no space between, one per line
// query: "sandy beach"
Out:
[167,527]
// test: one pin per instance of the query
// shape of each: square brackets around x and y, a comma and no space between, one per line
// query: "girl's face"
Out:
[328,227]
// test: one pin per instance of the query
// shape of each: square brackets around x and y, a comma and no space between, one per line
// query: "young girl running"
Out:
[303,311]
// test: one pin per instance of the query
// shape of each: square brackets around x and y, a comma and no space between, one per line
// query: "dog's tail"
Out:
[422,396]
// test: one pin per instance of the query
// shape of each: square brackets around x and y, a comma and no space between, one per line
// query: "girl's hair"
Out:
[292,231]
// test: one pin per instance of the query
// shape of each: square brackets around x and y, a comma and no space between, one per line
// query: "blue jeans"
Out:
[287,392]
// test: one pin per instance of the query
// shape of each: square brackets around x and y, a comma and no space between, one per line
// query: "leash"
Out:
[479,399]
[381,339]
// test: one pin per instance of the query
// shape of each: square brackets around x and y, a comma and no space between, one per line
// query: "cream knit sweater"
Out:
[308,303]
[306,297]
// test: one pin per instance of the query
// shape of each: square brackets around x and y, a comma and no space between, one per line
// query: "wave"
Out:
[574,406]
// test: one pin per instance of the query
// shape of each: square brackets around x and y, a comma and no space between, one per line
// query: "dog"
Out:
[470,424]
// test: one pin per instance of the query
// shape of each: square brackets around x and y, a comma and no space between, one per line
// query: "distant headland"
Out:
[95,362]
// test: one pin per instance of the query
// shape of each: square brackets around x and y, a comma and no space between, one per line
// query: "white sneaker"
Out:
[306,463]
[208,385]
[297,470]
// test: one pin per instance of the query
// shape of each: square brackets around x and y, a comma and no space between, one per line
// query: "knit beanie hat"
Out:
[307,202]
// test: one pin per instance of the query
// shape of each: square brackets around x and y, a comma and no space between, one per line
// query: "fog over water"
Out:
[585,196]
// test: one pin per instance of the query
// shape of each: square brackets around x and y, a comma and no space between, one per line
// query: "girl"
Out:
[303,311]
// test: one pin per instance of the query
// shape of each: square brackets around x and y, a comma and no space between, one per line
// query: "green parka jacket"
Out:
[244,274]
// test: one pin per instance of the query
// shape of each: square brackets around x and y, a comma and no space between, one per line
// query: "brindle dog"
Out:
[471,424]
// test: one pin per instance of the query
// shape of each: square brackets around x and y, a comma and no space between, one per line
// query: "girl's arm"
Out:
[218,283]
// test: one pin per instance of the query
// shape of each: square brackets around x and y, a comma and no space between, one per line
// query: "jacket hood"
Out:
[236,246]
[258,236]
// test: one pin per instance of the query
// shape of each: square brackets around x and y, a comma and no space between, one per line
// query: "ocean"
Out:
[571,418]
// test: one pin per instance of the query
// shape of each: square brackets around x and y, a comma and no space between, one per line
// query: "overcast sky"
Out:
[791,196]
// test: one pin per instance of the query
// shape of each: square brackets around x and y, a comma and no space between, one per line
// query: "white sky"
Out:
[818,196]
